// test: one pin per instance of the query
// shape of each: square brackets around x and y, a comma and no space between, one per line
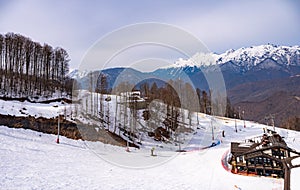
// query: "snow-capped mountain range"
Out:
[245,57]
[76,74]
[252,64]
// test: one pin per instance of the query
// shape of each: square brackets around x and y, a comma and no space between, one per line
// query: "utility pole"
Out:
[244,119]
[235,123]
[127,147]
[116,114]
[58,129]
[134,118]
[179,142]
[108,99]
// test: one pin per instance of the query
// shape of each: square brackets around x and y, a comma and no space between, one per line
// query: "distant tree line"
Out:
[29,69]
[175,94]
[178,93]
[292,123]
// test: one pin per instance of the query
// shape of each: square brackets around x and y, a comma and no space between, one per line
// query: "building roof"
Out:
[264,142]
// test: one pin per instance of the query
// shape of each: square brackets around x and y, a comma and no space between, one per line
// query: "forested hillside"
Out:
[31,70]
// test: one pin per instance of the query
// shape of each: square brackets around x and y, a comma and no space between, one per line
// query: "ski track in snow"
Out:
[32,160]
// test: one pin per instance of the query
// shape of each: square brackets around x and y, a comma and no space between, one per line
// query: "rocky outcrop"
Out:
[67,128]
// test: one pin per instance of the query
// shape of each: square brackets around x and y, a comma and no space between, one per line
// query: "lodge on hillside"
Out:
[267,155]
[133,100]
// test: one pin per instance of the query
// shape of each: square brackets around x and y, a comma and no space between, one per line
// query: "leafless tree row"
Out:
[29,69]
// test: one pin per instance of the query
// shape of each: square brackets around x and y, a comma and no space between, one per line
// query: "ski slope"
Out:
[32,160]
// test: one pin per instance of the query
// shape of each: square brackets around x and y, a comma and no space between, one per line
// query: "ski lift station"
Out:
[267,155]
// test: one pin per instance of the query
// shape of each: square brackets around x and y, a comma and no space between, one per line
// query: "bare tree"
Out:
[30,69]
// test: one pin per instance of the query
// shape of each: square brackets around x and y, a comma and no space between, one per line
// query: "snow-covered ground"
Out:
[26,108]
[32,160]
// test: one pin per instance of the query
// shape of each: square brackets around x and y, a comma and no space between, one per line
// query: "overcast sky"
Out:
[220,25]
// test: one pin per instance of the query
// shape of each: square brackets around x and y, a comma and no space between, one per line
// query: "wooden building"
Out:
[267,155]
[133,100]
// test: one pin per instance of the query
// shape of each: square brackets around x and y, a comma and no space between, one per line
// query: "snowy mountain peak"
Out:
[257,54]
[199,59]
[243,59]
[76,74]
[246,57]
